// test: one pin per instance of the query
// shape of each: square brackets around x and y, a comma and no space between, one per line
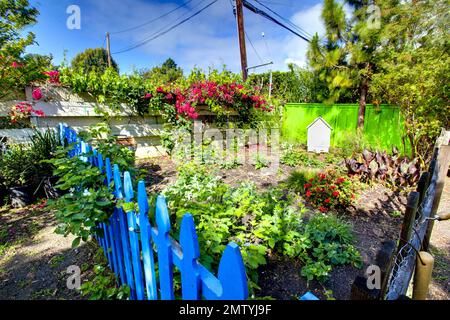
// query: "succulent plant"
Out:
[393,169]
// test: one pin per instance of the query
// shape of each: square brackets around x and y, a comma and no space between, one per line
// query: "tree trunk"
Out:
[362,102]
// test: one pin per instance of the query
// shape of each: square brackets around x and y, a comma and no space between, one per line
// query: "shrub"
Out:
[324,190]
[93,60]
[25,164]
[392,169]
[321,243]
[88,200]
[258,222]
[294,157]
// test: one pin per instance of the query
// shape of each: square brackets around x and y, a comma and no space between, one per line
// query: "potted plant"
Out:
[17,171]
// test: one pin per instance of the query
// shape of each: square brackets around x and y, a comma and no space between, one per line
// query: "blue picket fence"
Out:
[129,241]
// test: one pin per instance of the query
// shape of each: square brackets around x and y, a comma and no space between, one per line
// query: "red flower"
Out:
[307,185]
[327,200]
[148,96]
[323,209]
[14,65]
[37,94]
[340,180]
[308,193]
[336,194]
[159,90]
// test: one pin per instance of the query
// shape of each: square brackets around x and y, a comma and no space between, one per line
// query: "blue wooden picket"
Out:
[129,239]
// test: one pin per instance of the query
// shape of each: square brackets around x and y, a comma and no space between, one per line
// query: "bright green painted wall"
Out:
[383,126]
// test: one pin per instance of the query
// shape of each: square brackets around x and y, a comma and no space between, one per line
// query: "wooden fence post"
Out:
[409,219]
[422,185]
[442,161]
[385,261]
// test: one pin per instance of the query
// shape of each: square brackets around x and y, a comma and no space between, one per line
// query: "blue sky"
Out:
[209,39]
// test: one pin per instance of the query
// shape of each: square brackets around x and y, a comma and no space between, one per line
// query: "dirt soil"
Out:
[372,223]
[34,260]
[375,218]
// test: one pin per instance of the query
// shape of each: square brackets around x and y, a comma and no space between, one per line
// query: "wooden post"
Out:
[241,34]
[108,49]
[409,219]
[422,275]
[385,261]
[442,161]
[422,185]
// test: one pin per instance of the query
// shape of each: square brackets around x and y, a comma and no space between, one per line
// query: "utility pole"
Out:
[108,49]
[241,34]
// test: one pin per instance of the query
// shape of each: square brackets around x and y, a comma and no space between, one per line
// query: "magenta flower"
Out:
[14,65]
[37,94]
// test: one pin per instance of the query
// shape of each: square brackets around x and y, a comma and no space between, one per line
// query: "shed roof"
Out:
[321,119]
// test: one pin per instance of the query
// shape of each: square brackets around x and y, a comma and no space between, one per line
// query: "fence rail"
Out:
[129,241]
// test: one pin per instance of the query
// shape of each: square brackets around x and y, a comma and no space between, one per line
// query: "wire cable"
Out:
[163,32]
[264,14]
[285,19]
[153,20]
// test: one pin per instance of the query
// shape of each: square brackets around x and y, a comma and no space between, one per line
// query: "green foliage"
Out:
[17,70]
[26,164]
[103,286]
[261,162]
[295,85]
[258,222]
[95,60]
[321,243]
[415,68]
[168,72]
[100,136]
[88,201]
[323,190]
[293,157]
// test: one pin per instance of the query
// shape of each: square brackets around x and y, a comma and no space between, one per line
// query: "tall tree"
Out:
[168,72]
[346,58]
[93,60]
[15,15]
[414,68]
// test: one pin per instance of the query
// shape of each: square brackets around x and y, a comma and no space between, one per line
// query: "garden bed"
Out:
[375,217]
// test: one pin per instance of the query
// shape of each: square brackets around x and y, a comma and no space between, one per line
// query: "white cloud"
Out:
[209,38]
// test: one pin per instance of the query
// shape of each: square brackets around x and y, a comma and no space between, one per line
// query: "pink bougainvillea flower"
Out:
[39,113]
[53,75]
[37,94]
[148,96]
[14,65]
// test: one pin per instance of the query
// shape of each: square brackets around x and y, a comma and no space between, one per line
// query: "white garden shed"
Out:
[319,136]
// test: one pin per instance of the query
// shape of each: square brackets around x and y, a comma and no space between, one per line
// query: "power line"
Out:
[161,33]
[153,20]
[286,20]
[264,14]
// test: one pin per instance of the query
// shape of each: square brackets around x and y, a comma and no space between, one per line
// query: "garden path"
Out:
[34,259]
[440,248]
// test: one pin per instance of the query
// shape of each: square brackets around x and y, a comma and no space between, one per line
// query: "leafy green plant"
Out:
[293,157]
[258,222]
[261,162]
[88,200]
[103,286]
[321,243]
[100,136]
